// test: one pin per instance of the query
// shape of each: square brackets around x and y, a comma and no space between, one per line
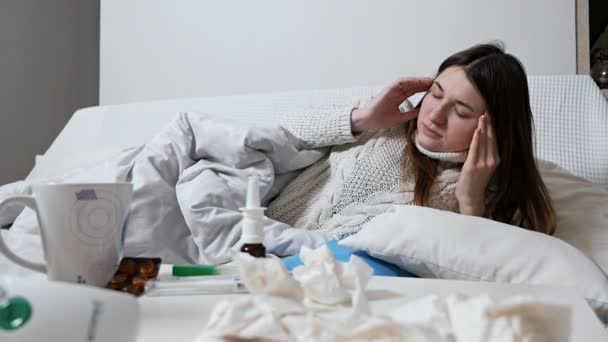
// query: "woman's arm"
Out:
[327,127]
[321,127]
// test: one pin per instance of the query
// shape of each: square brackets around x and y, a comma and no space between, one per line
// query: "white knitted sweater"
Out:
[360,178]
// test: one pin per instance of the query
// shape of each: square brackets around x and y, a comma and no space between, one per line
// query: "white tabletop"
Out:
[182,318]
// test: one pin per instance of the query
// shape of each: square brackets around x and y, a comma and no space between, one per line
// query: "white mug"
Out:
[81,227]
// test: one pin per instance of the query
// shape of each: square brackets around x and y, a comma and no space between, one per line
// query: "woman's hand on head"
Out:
[383,111]
[482,160]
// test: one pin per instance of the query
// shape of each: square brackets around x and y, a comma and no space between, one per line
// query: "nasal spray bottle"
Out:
[252,235]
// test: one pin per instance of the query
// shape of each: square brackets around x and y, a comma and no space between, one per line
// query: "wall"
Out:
[49,67]
[157,49]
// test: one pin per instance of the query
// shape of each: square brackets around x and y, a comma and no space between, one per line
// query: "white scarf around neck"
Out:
[453,157]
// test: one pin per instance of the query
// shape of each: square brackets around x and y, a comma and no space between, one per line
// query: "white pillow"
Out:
[581,209]
[439,244]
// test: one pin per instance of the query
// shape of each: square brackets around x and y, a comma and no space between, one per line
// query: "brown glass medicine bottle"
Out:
[254,249]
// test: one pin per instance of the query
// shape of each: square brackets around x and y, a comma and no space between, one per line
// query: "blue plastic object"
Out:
[341,253]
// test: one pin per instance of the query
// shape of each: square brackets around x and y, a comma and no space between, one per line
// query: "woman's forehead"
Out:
[455,84]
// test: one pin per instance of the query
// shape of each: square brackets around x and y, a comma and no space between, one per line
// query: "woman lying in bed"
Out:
[466,148]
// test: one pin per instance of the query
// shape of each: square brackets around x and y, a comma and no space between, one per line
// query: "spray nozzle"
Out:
[253,193]
[253,214]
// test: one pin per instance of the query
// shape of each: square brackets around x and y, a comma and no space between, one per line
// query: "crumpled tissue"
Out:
[324,300]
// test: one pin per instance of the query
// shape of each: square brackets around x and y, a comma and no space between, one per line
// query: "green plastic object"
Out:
[15,313]
[193,270]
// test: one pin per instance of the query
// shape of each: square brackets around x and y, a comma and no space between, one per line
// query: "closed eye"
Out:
[435,95]
[464,115]
[436,91]
[463,111]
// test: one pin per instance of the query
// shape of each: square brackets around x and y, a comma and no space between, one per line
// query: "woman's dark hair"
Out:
[520,196]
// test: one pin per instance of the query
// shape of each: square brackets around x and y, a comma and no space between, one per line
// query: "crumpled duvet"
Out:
[189,182]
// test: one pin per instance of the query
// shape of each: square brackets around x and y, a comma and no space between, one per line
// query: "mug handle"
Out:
[28,201]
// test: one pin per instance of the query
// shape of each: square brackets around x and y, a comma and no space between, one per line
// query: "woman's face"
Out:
[449,113]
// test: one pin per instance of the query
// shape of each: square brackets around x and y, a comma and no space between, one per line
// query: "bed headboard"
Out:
[155,49]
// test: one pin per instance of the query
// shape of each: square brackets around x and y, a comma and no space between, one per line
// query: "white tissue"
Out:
[252,317]
[515,319]
[315,305]
[406,106]
[267,276]
[326,281]
[321,280]
[459,317]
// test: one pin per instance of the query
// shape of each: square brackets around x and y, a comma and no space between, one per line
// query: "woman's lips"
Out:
[429,132]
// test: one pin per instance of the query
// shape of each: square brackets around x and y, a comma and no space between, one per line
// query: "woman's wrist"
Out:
[357,123]
[472,208]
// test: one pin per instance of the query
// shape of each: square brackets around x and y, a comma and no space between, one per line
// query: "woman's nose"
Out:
[439,115]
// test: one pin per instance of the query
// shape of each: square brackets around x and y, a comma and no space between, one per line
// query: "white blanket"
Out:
[189,182]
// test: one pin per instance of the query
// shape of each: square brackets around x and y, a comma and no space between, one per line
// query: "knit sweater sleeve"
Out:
[317,128]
